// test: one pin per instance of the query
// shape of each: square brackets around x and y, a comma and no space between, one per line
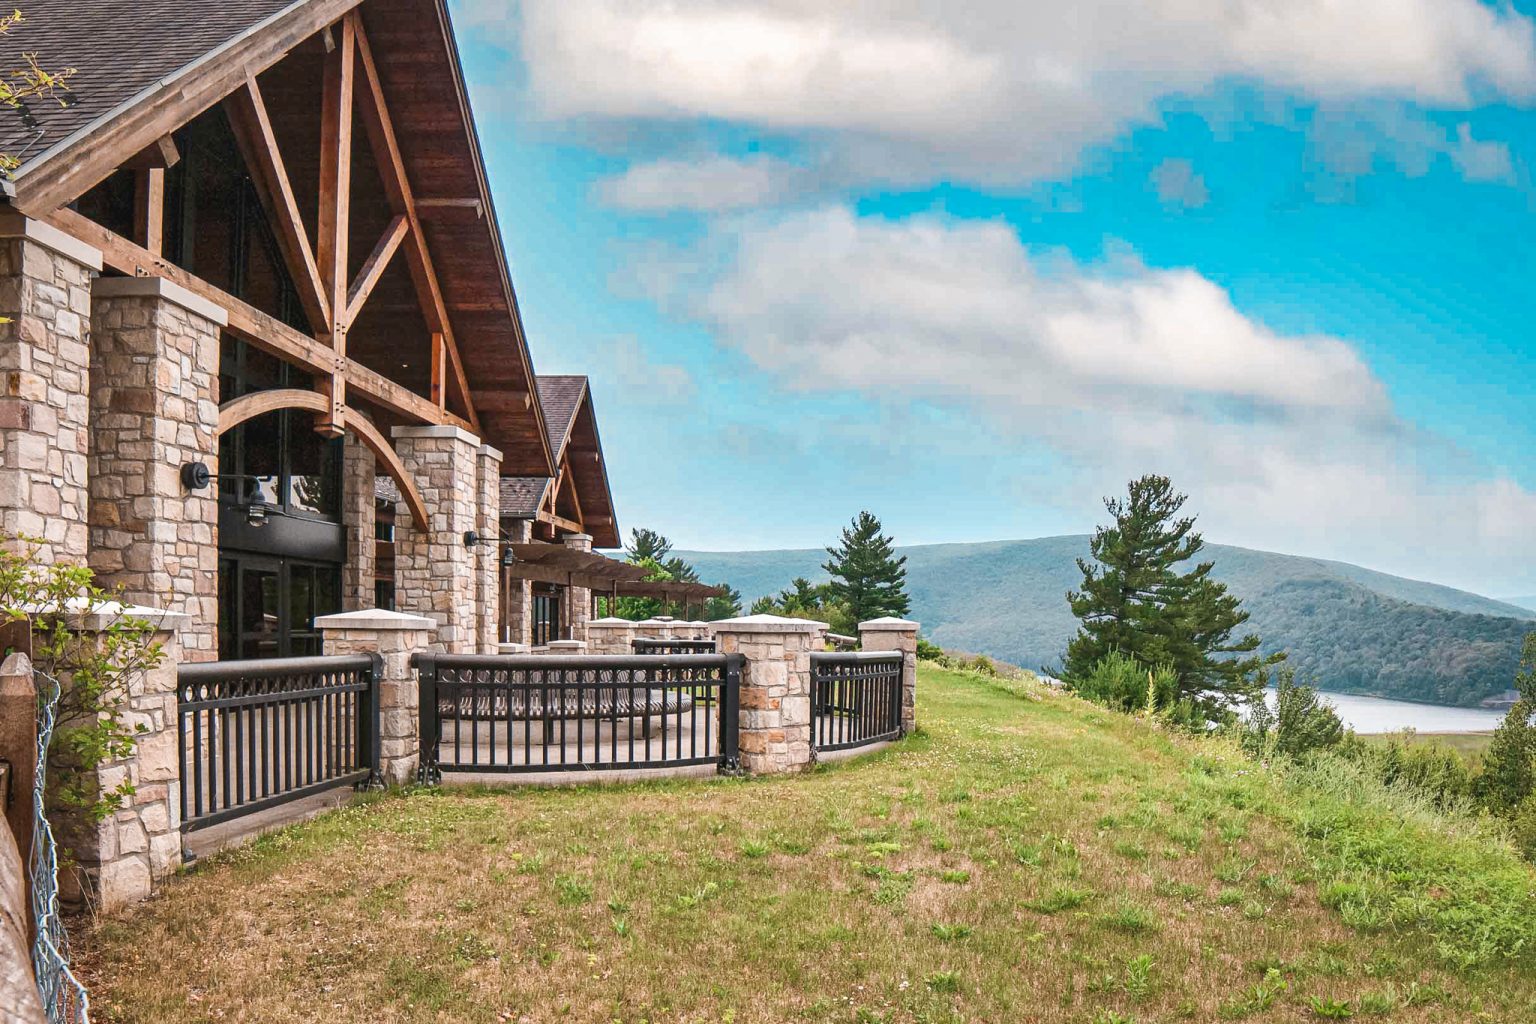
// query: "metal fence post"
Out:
[426,674]
[730,715]
[368,723]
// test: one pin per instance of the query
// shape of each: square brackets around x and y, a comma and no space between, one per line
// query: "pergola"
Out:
[554,563]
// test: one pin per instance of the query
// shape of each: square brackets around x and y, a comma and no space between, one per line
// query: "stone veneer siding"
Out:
[394,637]
[488,551]
[518,592]
[124,858]
[154,407]
[775,734]
[44,387]
[578,600]
[434,570]
[357,515]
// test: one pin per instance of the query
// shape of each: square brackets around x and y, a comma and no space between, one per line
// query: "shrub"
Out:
[1120,682]
[1300,722]
[1430,769]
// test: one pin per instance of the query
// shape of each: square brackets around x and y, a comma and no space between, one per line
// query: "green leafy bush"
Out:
[1301,720]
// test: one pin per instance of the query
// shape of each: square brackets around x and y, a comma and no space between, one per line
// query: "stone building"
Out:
[252,268]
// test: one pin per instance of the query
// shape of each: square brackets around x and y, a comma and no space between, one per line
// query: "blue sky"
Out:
[974,270]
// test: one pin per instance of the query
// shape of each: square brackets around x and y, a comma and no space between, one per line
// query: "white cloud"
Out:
[997,91]
[709,185]
[1482,161]
[1178,185]
[1284,441]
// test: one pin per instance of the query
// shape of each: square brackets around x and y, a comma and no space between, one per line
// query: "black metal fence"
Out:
[654,645]
[855,698]
[531,713]
[254,734]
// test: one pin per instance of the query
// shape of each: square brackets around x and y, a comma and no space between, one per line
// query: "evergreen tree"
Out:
[723,606]
[1509,767]
[867,577]
[647,544]
[1135,600]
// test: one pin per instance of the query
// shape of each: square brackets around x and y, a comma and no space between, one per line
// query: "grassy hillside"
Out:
[1352,629]
[1025,857]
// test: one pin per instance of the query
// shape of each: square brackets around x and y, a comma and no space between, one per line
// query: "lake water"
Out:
[1376,714]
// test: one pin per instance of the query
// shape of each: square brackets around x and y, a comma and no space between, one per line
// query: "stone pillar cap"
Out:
[768,624]
[655,622]
[566,645]
[80,613]
[511,648]
[889,622]
[373,618]
[611,620]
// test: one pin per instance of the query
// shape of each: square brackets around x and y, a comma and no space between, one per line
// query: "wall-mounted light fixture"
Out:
[196,475]
[471,538]
[507,557]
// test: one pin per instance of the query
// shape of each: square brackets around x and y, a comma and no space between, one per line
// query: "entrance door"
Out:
[267,606]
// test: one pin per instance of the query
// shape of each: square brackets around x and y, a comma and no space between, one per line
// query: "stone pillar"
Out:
[394,637]
[358,506]
[659,628]
[611,636]
[578,600]
[775,689]
[566,648]
[518,614]
[488,551]
[154,407]
[435,573]
[124,858]
[45,293]
[889,634]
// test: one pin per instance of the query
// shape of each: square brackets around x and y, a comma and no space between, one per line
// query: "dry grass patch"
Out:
[1020,859]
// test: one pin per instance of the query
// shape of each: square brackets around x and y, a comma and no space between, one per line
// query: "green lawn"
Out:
[1025,858]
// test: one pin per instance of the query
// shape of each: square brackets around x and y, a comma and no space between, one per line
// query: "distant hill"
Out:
[1347,628]
[1523,602]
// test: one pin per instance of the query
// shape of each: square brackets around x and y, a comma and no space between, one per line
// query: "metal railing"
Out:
[525,713]
[254,734]
[656,645]
[855,698]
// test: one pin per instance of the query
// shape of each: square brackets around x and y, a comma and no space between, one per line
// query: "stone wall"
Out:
[611,635]
[775,733]
[358,473]
[127,856]
[394,637]
[435,570]
[518,593]
[488,551]
[154,407]
[578,600]
[45,292]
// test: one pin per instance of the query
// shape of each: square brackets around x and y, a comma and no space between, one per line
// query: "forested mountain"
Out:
[1347,628]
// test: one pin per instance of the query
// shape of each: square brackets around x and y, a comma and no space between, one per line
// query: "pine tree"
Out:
[1509,768]
[1134,600]
[867,576]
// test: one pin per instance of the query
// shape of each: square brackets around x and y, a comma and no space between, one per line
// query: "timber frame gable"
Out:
[383,70]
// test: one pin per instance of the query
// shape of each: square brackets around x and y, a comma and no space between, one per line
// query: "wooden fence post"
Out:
[18,746]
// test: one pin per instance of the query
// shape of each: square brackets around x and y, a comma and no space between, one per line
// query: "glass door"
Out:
[267,606]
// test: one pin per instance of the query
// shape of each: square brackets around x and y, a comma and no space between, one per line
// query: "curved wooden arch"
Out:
[259,403]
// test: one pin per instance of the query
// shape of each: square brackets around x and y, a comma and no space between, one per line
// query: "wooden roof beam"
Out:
[378,261]
[258,144]
[335,211]
[265,332]
[397,189]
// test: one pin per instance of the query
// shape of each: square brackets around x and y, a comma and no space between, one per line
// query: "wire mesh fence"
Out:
[64,998]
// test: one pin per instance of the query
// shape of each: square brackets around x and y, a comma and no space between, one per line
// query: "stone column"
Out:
[775,689]
[45,293]
[578,600]
[566,648]
[155,408]
[610,636]
[659,628]
[358,506]
[435,573]
[394,637]
[488,551]
[124,858]
[890,634]
[518,592]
